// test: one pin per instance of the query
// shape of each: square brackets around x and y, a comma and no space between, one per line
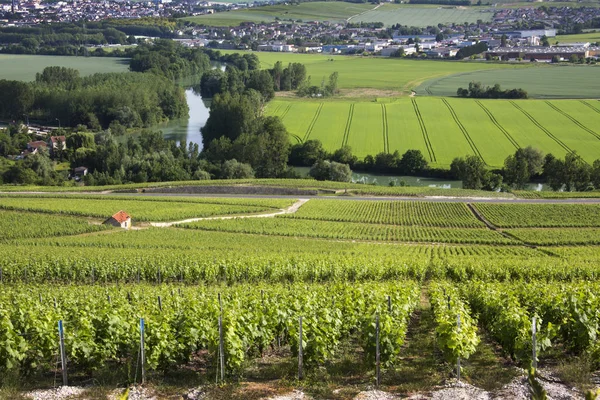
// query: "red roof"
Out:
[55,139]
[121,216]
[37,144]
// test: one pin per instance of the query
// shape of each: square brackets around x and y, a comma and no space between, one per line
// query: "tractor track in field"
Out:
[348,124]
[287,109]
[313,122]
[428,145]
[386,137]
[298,138]
[589,105]
[500,127]
[546,131]
[464,131]
[579,124]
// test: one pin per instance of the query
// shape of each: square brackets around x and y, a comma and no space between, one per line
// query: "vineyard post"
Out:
[108,298]
[41,299]
[533,341]
[93,275]
[389,304]
[159,275]
[300,372]
[142,350]
[221,349]
[377,355]
[159,303]
[0,275]
[63,354]
[137,276]
[55,302]
[458,358]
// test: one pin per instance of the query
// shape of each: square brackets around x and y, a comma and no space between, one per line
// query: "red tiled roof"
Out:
[37,143]
[55,139]
[121,216]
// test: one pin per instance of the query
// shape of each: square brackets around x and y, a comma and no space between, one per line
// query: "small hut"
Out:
[120,219]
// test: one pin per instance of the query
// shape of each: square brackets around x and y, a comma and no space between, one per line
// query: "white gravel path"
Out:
[290,210]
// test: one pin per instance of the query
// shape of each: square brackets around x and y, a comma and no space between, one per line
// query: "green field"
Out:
[24,67]
[491,129]
[393,77]
[314,11]
[591,37]
[423,16]
[542,81]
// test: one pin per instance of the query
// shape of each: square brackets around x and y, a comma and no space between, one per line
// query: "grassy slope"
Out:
[423,16]
[24,67]
[591,37]
[317,11]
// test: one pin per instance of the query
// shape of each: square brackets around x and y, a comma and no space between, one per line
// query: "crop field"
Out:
[591,37]
[350,231]
[338,265]
[416,15]
[557,236]
[541,215]
[447,128]
[393,77]
[16,225]
[455,215]
[24,67]
[140,209]
[540,81]
[317,11]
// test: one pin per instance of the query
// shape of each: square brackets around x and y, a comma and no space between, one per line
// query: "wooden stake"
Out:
[142,349]
[63,354]
[300,372]
[377,355]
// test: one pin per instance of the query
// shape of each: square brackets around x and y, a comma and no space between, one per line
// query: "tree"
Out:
[16,99]
[472,172]
[412,162]
[520,167]
[307,153]
[503,40]
[232,169]
[577,173]
[344,155]
[595,174]
[544,41]
[231,115]
[325,170]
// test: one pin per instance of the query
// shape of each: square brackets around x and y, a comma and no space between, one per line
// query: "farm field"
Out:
[591,37]
[420,16]
[316,11]
[24,67]
[447,128]
[394,77]
[338,264]
[540,81]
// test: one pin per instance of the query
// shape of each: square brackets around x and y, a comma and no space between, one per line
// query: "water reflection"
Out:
[188,129]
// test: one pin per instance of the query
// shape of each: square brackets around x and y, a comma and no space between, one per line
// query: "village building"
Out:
[120,220]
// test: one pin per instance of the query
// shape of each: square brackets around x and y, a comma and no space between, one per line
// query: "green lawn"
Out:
[492,129]
[542,81]
[423,16]
[314,11]
[24,67]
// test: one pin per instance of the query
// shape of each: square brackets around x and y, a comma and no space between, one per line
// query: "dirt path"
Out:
[356,15]
[290,210]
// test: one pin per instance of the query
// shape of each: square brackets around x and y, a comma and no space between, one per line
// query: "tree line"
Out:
[60,95]
[477,91]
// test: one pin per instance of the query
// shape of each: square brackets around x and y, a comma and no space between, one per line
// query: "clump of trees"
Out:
[474,174]
[477,91]
[325,90]
[325,170]
[469,51]
[97,101]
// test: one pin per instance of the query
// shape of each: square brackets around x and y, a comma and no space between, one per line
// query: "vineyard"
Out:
[376,284]
[142,209]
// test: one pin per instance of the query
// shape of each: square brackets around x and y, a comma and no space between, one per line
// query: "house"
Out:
[79,173]
[120,219]
[33,147]
[56,141]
